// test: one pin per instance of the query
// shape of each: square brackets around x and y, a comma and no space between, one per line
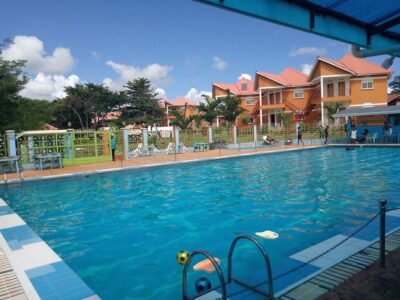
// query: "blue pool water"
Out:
[120,232]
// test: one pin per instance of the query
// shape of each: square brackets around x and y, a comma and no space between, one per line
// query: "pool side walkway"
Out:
[29,268]
[154,160]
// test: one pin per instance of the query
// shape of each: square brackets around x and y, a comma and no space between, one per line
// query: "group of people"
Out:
[323,134]
[387,133]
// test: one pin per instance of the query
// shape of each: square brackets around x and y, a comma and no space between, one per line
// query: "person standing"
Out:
[113,147]
[299,139]
[326,134]
[386,132]
[353,135]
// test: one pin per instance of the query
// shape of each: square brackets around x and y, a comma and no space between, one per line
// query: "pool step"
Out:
[334,276]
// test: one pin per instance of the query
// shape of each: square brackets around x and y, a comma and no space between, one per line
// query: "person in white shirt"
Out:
[353,135]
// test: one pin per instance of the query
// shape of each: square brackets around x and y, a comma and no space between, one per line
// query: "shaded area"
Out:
[372,283]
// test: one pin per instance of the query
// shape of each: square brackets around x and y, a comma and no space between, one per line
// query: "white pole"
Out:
[322,103]
[260,99]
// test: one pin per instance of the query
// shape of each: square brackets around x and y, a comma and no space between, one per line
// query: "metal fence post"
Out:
[210,135]
[382,251]
[12,150]
[126,142]
[234,135]
[177,139]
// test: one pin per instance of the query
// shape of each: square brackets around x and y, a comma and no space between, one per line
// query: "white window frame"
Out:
[367,81]
[301,96]
[248,99]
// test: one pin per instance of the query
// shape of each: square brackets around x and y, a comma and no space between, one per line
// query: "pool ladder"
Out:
[222,283]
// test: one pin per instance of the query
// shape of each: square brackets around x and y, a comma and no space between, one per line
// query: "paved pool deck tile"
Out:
[40,272]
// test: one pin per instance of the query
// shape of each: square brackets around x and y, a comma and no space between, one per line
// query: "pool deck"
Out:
[145,161]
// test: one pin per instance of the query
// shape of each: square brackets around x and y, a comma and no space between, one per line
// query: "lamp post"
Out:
[69,124]
[167,115]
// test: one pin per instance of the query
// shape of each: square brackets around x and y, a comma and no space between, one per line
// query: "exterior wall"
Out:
[376,95]
[261,81]
[323,69]
[217,91]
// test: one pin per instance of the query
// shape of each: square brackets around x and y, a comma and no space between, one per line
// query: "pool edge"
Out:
[40,271]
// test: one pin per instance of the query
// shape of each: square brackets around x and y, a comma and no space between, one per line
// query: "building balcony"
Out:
[335,99]
[273,106]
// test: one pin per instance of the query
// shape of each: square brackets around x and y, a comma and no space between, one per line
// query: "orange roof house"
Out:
[243,88]
[184,105]
[349,81]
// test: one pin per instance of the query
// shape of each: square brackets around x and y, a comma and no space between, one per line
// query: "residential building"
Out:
[348,82]
[183,105]
[244,89]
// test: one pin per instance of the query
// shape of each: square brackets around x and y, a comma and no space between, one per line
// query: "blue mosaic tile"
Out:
[58,281]
[19,236]
[5,210]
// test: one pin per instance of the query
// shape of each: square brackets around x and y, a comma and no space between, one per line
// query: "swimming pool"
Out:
[120,231]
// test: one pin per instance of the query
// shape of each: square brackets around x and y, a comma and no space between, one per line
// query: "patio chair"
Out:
[288,140]
[269,140]
[138,151]
[374,137]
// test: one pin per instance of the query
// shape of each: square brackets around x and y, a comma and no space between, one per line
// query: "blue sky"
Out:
[181,45]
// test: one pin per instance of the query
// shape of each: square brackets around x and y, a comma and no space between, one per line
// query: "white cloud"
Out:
[31,49]
[161,93]
[48,87]
[156,73]
[244,75]
[196,95]
[306,68]
[219,63]
[307,51]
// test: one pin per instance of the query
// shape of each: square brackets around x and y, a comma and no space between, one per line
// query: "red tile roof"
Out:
[362,66]
[180,101]
[236,88]
[288,77]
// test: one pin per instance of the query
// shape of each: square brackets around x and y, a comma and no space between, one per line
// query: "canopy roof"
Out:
[372,24]
[369,111]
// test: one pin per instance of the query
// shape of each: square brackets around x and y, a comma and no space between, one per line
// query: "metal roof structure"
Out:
[369,111]
[371,24]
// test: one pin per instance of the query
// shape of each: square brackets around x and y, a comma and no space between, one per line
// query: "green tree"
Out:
[180,120]
[395,85]
[333,109]
[86,105]
[285,118]
[231,108]
[141,103]
[31,114]
[12,80]
[209,110]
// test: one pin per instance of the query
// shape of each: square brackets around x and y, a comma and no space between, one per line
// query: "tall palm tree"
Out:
[181,120]
[231,108]
[209,110]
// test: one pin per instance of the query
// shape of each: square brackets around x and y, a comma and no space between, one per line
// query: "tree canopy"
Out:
[395,85]
[141,103]
[12,80]
[209,110]
[231,108]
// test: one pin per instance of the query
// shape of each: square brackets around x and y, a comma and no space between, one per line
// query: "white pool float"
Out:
[268,234]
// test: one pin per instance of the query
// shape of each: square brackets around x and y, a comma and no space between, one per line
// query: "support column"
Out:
[255,133]
[31,150]
[234,135]
[210,135]
[145,138]
[126,142]
[322,114]
[269,120]
[348,122]
[12,150]
[260,102]
[68,142]
[177,142]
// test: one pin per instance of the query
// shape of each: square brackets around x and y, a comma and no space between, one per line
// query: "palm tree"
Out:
[209,110]
[231,108]
[181,120]
[285,118]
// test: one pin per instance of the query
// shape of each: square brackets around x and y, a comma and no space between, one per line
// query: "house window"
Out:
[272,98]
[329,90]
[244,87]
[367,84]
[278,97]
[299,94]
[249,101]
[342,88]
